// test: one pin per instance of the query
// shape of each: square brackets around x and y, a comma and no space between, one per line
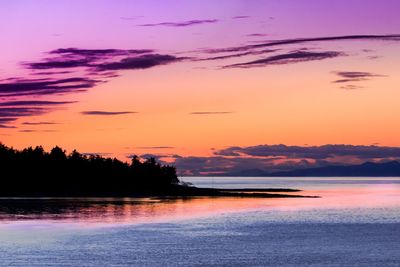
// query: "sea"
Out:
[353,222]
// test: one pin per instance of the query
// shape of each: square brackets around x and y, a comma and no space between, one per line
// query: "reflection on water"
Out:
[338,193]
[355,223]
[291,182]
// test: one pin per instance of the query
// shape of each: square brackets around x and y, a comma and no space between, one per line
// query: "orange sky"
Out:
[292,103]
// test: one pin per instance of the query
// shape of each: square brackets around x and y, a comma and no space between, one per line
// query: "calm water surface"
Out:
[356,222]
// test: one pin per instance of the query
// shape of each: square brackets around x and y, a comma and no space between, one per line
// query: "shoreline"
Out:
[175,191]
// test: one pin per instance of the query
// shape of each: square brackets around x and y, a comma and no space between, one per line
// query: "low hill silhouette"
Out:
[367,169]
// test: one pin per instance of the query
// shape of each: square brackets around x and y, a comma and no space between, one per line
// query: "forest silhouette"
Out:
[35,172]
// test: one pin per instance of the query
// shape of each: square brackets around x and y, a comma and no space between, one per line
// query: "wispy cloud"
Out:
[155,147]
[35,131]
[24,87]
[140,62]
[51,73]
[351,87]
[355,76]
[96,154]
[15,112]
[210,112]
[35,103]
[288,58]
[236,55]
[107,113]
[96,53]
[82,58]
[10,111]
[39,123]
[241,17]
[256,35]
[4,122]
[181,23]
[4,126]
[284,42]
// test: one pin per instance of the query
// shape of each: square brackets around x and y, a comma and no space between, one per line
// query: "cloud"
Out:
[78,58]
[106,113]
[4,121]
[10,111]
[35,103]
[210,112]
[350,80]
[24,87]
[39,123]
[4,126]
[351,87]
[241,17]
[311,152]
[181,23]
[15,112]
[256,35]
[51,72]
[284,42]
[155,147]
[288,58]
[103,154]
[140,62]
[355,76]
[248,53]
[11,114]
[96,53]
[53,64]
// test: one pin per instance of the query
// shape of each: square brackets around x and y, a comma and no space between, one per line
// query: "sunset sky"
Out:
[211,86]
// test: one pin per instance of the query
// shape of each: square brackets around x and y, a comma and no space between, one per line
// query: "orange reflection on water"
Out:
[96,211]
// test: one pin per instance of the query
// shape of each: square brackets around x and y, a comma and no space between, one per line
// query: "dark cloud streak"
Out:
[140,62]
[22,87]
[106,113]
[39,123]
[35,103]
[241,17]
[288,58]
[354,76]
[180,24]
[284,42]
[210,112]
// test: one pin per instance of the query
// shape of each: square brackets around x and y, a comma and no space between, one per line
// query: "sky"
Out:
[209,86]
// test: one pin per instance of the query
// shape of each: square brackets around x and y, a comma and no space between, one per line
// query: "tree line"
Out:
[35,172]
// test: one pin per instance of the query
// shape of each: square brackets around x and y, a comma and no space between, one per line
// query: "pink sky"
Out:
[275,93]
